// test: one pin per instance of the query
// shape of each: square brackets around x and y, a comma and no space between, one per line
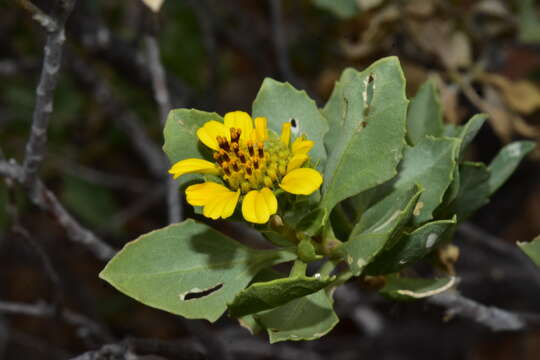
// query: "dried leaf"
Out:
[522,95]
[373,37]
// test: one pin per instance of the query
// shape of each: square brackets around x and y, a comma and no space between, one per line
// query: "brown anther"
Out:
[223,143]
[234,165]
[256,163]
[218,157]
[224,155]
[235,134]
[260,150]
[225,166]
[242,157]
[250,148]
[249,171]
[235,147]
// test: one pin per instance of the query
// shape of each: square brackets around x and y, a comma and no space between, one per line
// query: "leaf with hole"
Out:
[187,269]
[366,113]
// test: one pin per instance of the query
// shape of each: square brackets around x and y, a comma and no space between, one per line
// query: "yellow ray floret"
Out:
[259,205]
[210,131]
[239,120]
[190,166]
[301,146]
[217,200]
[303,181]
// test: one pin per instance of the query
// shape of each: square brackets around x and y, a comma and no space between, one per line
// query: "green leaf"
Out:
[180,134]
[307,318]
[431,164]
[248,321]
[187,269]
[506,162]
[366,113]
[410,248]
[532,249]
[468,132]
[425,115]
[267,295]
[473,190]
[341,8]
[377,227]
[281,102]
[400,288]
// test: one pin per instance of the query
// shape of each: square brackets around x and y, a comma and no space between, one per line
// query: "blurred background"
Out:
[104,163]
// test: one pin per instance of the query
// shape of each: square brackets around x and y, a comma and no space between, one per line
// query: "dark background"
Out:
[485,56]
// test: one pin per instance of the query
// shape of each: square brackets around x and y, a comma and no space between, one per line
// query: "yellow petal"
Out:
[218,201]
[209,131]
[261,128]
[286,133]
[189,166]
[222,205]
[240,120]
[201,194]
[296,161]
[301,181]
[258,205]
[301,146]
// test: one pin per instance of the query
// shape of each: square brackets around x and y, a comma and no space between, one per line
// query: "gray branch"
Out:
[46,200]
[37,143]
[43,310]
[494,318]
[161,95]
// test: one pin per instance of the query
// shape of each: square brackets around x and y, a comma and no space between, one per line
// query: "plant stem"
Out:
[298,268]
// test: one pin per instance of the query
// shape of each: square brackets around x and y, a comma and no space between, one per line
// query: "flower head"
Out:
[253,163]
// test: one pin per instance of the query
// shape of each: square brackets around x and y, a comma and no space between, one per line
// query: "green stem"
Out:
[298,269]
[329,242]
[328,267]
[342,278]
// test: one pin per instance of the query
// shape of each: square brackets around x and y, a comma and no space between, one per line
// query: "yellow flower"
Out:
[253,163]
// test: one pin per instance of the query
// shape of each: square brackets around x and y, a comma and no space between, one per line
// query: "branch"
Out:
[43,310]
[499,246]
[46,200]
[37,143]
[494,318]
[123,350]
[117,110]
[280,43]
[157,73]
[161,94]
[49,24]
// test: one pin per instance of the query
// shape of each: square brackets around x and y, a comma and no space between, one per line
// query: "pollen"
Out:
[247,165]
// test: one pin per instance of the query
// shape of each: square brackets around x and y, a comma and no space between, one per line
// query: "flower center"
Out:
[249,165]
